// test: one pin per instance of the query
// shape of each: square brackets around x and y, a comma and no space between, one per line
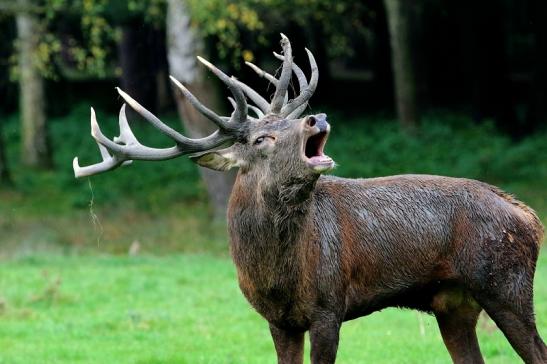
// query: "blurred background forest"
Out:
[432,86]
[126,266]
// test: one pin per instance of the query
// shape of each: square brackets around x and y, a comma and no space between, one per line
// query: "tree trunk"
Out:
[399,14]
[539,108]
[5,178]
[135,57]
[35,146]
[485,63]
[183,45]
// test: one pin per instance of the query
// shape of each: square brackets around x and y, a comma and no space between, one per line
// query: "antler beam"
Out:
[307,93]
[284,79]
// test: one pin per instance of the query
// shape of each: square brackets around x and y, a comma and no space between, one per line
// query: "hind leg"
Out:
[516,320]
[507,295]
[457,316]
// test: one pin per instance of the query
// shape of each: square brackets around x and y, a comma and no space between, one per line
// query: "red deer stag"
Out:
[313,251]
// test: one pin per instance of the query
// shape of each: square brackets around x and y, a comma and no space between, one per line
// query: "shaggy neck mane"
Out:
[277,211]
[267,226]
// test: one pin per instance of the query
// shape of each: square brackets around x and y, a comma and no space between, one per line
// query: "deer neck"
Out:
[269,229]
[274,214]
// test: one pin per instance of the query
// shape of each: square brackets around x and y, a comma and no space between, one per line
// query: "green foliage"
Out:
[94,30]
[226,22]
[125,12]
[264,19]
[188,309]
[445,144]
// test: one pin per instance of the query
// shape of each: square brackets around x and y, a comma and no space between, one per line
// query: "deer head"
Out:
[277,143]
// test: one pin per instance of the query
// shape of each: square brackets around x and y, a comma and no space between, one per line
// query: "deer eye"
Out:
[259,140]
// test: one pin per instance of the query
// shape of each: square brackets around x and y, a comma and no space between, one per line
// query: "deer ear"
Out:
[219,160]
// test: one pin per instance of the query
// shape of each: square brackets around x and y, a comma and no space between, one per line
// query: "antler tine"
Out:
[240,114]
[126,135]
[254,96]
[152,119]
[307,93]
[297,112]
[277,100]
[302,81]
[241,111]
[263,74]
[260,72]
[234,105]
[232,102]
[109,162]
[208,113]
[125,148]
[302,84]
[257,111]
[195,145]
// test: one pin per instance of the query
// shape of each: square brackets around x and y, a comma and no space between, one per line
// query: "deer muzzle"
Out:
[318,130]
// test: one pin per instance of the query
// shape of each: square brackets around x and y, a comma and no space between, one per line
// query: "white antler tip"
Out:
[203,60]
[177,83]
[310,55]
[125,96]
[134,104]
[93,120]
[76,167]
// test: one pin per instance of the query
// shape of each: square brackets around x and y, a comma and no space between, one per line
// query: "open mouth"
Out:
[313,152]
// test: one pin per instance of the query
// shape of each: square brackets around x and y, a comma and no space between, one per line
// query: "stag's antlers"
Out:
[124,149]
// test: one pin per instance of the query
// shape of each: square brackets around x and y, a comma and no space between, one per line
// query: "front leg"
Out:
[324,334]
[289,345]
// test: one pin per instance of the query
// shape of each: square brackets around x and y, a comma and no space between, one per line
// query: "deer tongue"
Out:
[320,159]
[321,163]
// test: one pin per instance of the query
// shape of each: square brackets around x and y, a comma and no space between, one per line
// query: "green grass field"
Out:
[187,309]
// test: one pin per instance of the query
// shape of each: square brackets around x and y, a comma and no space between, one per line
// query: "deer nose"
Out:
[319,120]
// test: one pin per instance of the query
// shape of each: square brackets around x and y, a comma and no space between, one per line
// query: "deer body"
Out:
[353,247]
[313,251]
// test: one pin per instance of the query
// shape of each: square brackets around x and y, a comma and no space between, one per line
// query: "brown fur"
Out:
[534,219]
[489,237]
